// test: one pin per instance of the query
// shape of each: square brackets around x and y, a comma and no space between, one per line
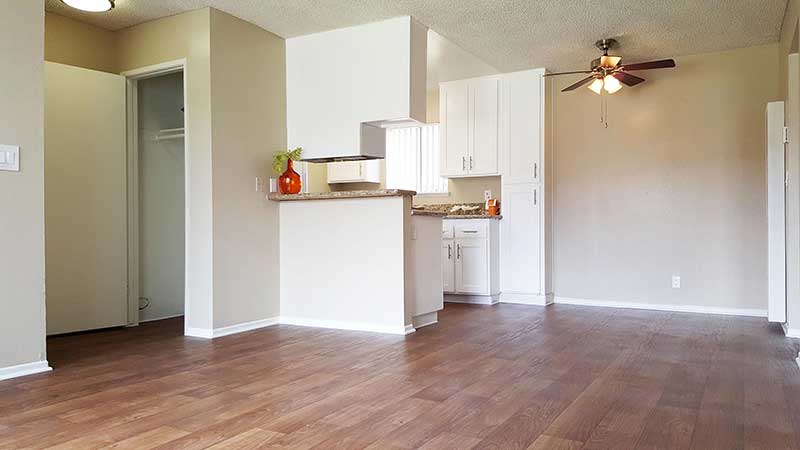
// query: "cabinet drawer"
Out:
[471,228]
[447,229]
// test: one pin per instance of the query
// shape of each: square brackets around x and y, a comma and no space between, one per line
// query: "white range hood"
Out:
[343,87]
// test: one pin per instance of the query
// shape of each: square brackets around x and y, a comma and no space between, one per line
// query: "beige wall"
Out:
[248,98]
[22,324]
[675,185]
[68,41]
[236,70]
[186,36]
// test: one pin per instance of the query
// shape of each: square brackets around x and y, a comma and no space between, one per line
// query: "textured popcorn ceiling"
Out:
[508,34]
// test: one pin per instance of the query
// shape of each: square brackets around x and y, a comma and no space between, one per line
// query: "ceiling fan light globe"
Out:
[597,85]
[91,5]
[611,84]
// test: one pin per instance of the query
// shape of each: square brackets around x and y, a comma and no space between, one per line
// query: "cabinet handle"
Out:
[449,252]
[458,251]
[535,199]
[469,231]
[360,169]
[463,163]
[470,163]
[535,171]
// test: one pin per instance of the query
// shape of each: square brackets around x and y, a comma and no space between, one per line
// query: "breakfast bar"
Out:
[359,260]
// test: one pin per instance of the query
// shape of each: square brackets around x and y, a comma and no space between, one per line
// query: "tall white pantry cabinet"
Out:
[526,179]
[496,125]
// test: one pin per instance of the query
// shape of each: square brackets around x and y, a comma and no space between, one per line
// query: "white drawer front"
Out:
[471,228]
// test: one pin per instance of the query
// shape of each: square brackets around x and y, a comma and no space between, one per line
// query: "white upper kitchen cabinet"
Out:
[354,172]
[453,127]
[522,136]
[485,126]
[470,127]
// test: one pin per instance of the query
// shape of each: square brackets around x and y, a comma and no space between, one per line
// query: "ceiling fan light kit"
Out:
[607,75]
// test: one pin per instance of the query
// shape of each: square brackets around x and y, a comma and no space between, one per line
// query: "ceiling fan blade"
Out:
[578,84]
[566,73]
[628,79]
[662,64]
[610,62]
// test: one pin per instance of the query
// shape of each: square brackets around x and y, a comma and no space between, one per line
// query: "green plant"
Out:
[280,158]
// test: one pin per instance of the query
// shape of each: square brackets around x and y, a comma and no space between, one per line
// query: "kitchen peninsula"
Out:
[359,260]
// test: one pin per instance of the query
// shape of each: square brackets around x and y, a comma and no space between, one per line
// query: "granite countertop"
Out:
[378,193]
[422,212]
[447,213]
[472,216]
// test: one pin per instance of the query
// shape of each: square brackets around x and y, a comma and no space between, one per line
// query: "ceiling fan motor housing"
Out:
[604,45]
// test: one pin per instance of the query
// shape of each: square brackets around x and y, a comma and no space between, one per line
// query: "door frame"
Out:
[132,78]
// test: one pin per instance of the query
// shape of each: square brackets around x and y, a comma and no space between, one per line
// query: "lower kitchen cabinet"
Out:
[470,257]
[448,266]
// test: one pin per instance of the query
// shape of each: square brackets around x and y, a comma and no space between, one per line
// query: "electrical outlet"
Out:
[676,281]
[487,194]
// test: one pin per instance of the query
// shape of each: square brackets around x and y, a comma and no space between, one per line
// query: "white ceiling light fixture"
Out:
[91,5]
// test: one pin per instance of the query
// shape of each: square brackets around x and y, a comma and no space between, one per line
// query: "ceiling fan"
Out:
[607,74]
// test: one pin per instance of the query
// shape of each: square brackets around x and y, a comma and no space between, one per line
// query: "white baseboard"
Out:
[423,320]
[351,326]
[472,299]
[247,326]
[526,299]
[790,332]
[205,333]
[233,329]
[664,307]
[24,369]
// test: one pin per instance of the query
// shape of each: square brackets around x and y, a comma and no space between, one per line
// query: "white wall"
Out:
[22,266]
[346,268]
[161,198]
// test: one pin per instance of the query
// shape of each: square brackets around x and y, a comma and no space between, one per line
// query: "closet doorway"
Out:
[156,194]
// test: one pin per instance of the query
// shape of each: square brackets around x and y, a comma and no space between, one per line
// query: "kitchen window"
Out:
[412,160]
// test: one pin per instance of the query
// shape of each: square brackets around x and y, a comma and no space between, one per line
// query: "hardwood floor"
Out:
[504,377]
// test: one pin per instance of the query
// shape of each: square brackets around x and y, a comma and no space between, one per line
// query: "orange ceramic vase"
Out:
[290,182]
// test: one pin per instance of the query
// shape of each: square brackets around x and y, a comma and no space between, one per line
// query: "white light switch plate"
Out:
[9,158]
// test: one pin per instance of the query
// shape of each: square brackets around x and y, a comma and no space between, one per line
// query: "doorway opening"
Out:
[157,219]
[160,197]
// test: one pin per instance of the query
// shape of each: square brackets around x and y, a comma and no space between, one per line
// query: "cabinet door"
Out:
[522,127]
[520,239]
[485,126]
[454,127]
[345,172]
[448,266]
[472,266]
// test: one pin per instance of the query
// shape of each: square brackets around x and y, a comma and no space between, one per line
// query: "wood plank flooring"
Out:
[505,377]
